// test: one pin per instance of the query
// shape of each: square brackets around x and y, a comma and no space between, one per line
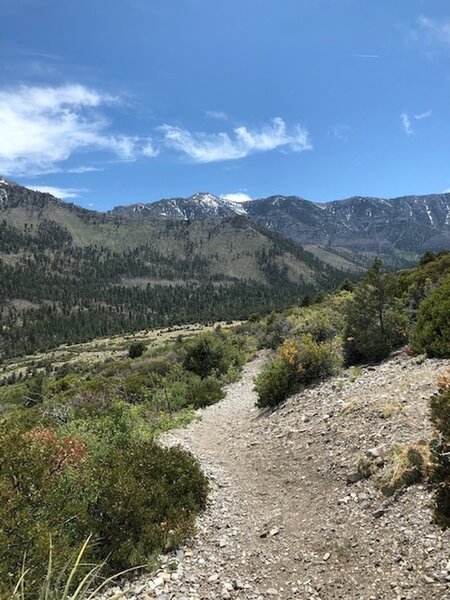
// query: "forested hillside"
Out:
[69,275]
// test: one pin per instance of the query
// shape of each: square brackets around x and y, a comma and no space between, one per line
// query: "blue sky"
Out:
[119,101]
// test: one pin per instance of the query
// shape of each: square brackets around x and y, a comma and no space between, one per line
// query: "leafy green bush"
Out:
[275,383]
[376,322]
[298,363]
[318,360]
[211,354]
[278,328]
[136,349]
[440,450]
[135,497]
[431,333]
[191,390]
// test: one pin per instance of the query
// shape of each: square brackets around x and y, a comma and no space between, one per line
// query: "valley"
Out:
[300,454]
[70,275]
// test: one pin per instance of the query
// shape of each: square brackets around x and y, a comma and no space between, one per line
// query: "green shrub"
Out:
[133,496]
[203,392]
[318,360]
[275,383]
[211,354]
[299,363]
[278,328]
[192,390]
[431,333]
[375,320]
[136,349]
[440,450]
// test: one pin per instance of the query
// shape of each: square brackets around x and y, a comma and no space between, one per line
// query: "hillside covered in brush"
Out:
[352,441]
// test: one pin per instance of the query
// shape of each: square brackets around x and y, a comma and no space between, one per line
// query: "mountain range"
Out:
[398,228]
[69,274]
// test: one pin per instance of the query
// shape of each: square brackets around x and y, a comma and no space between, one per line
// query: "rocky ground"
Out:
[284,519]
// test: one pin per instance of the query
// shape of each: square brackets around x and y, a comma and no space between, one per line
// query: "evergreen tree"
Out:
[375,320]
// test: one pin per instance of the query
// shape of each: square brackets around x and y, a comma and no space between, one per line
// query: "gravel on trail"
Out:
[288,517]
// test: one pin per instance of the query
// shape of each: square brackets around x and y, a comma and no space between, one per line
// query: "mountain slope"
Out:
[69,275]
[398,229]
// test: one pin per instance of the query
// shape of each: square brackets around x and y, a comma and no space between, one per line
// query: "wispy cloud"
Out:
[236,197]
[434,30]
[219,115]
[36,54]
[210,147]
[41,127]
[340,132]
[364,56]
[423,115]
[406,122]
[83,169]
[63,193]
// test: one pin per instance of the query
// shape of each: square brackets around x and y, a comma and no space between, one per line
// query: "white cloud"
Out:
[434,31]
[217,114]
[423,115]
[406,122]
[83,169]
[210,147]
[41,127]
[340,132]
[236,197]
[63,193]
[148,149]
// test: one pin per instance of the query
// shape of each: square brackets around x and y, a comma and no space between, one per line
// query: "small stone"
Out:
[213,577]
[237,584]
[223,542]
[326,556]
[158,582]
[374,452]
[354,477]
[274,531]
[272,592]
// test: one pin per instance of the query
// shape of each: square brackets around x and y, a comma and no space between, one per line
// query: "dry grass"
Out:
[388,409]
[403,466]
[352,406]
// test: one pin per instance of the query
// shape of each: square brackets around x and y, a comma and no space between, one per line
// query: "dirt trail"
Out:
[282,519]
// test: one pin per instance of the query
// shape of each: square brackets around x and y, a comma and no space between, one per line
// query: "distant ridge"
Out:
[398,229]
[410,224]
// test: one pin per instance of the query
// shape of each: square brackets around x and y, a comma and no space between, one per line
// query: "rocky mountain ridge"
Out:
[363,224]
[341,233]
